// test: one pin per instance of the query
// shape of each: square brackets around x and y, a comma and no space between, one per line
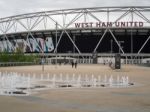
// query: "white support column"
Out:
[15,27]
[100,40]
[116,41]
[35,40]
[132,10]
[58,41]
[143,45]
[123,15]
[74,19]
[27,42]
[30,27]
[107,14]
[138,13]
[94,17]
[5,29]
[64,19]
[73,42]
[85,16]
[37,21]
[64,30]
[45,22]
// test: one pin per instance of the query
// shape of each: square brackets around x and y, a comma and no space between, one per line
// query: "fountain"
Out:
[41,76]
[61,77]
[54,80]
[79,81]
[111,81]
[94,82]
[73,77]
[21,84]
[33,77]
[105,79]
[11,82]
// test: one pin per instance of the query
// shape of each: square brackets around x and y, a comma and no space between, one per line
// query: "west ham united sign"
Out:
[108,24]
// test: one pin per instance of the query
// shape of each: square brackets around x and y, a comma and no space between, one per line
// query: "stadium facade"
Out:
[80,32]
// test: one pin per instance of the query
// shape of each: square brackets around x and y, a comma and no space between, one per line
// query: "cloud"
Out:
[14,7]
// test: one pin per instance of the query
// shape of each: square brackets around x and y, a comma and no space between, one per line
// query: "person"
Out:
[104,62]
[110,63]
[60,63]
[75,63]
[72,63]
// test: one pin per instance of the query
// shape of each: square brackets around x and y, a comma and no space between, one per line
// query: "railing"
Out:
[5,64]
[91,54]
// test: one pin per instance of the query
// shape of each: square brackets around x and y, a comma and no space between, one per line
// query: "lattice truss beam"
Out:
[65,19]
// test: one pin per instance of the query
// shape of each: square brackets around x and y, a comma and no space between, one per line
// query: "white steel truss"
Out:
[65,19]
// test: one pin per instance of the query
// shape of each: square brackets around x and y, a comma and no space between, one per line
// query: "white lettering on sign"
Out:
[108,24]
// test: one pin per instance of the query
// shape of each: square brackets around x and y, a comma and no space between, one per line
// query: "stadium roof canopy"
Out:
[68,19]
[95,21]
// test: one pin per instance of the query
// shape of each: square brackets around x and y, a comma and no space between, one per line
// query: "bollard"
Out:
[54,80]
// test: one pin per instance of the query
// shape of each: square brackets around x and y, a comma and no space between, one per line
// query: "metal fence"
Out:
[5,64]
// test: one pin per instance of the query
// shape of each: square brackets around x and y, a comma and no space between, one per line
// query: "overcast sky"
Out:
[14,7]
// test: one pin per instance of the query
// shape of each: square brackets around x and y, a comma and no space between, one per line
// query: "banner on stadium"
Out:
[108,24]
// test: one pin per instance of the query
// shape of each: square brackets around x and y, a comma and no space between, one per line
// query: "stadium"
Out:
[92,37]
[83,33]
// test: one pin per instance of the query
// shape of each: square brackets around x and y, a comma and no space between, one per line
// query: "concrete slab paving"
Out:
[131,99]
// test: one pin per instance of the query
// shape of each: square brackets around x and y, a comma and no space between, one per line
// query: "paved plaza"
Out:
[135,98]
